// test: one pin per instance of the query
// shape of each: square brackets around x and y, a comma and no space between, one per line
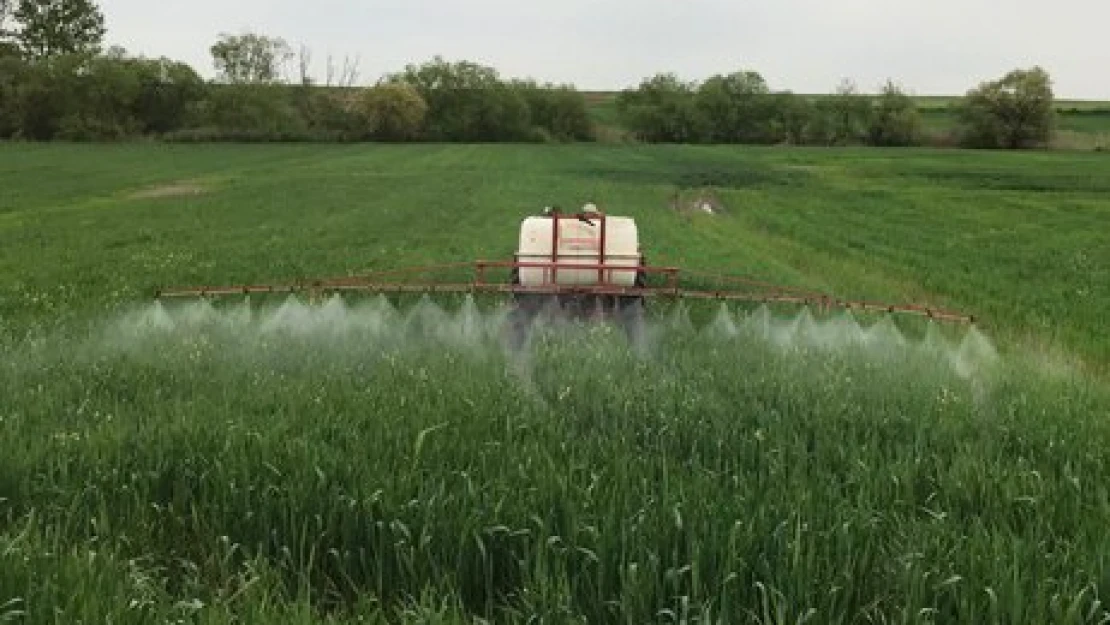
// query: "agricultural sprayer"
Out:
[583,265]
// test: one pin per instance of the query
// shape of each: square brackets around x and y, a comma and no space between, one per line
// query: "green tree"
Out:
[842,118]
[9,49]
[108,96]
[45,94]
[662,109]
[737,108]
[56,27]
[896,120]
[557,112]
[391,111]
[330,114]
[791,115]
[250,58]
[1016,111]
[101,100]
[167,91]
[467,101]
[12,75]
[251,112]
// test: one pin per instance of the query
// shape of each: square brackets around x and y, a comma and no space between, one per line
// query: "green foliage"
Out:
[346,461]
[391,112]
[42,581]
[558,112]
[250,58]
[12,76]
[467,102]
[41,100]
[741,108]
[51,28]
[251,112]
[1016,111]
[102,98]
[662,109]
[737,108]
[113,96]
[791,115]
[346,458]
[839,220]
[110,96]
[168,91]
[843,118]
[895,120]
[329,113]
[1080,124]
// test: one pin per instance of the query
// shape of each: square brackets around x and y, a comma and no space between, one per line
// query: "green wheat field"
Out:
[379,460]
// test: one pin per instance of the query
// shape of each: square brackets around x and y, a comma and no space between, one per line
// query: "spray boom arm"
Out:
[658,283]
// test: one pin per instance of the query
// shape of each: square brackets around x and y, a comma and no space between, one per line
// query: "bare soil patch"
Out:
[172,189]
[694,201]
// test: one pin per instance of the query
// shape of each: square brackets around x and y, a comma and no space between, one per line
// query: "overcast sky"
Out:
[930,46]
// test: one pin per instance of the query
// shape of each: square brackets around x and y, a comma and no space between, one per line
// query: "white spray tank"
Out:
[578,240]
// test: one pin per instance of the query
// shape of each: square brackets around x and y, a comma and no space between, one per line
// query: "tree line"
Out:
[1015,111]
[58,83]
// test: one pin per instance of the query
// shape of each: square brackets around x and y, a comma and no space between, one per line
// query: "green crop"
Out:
[388,461]
[361,457]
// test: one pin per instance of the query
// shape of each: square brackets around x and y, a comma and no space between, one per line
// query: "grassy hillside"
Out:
[366,460]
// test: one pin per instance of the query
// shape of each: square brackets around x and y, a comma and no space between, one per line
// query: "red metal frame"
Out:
[728,288]
[558,217]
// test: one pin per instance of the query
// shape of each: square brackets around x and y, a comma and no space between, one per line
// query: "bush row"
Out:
[113,97]
[740,108]
[1016,111]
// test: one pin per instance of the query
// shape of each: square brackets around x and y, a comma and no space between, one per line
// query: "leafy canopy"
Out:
[1016,111]
[51,28]
[250,58]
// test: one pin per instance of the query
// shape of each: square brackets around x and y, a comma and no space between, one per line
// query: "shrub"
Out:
[45,93]
[167,91]
[12,74]
[557,113]
[466,102]
[662,109]
[252,112]
[737,108]
[1016,111]
[895,120]
[329,113]
[791,115]
[842,118]
[390,112]
[111,96]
